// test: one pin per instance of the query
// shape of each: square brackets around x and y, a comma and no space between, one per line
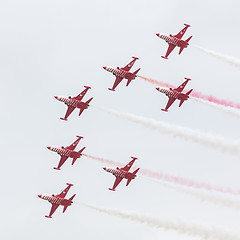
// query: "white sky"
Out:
[53,48]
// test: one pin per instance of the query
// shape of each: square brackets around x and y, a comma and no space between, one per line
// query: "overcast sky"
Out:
[50,48]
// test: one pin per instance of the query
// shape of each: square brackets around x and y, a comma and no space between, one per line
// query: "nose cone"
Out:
[40,196]
[158,34]
[56,97]
[49,148]
[105,67]
[105,169]
[157,88]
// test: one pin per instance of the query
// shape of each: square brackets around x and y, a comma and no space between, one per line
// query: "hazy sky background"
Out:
[53,48]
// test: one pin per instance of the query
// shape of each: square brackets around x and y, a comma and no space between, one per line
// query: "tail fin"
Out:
[135,172]
[80,152]
[181,48]
[66,206]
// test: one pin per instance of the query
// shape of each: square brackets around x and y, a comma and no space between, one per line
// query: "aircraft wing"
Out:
[53,209]
[129,65]
[128,166]
[73,146]
[62,161]
[170,49]
[80,96]
[170,102]
[65,191]
[117,81]
[182,32]
[69,111]
[117,181]
[182,86]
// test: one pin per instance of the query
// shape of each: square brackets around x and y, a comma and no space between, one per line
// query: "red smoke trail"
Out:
[171,179]
[196,94]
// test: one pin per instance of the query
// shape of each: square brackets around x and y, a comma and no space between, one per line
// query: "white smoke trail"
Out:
[202,196]
[228,59]
[226,109]
[205,139]
[190,229]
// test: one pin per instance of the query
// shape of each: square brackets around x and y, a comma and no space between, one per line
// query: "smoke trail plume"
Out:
[187,134]
[225,109]
[202,196]
[163,177]
[228,59]
[103,160]
[181,227]
[195,94]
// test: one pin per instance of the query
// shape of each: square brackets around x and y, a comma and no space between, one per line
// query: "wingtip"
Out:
[135,57]
[165,110]
[164,57]
[79,136]
[188,79]
[111,89]
[56,168]
[112,189]
[69,184]
[87,87]
[65,119]
[134,158]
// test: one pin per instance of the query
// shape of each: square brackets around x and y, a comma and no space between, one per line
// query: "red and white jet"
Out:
[175,93]
[57,200]
[66,152]
[122,73]
[175,40]
[121,173]
[75,102]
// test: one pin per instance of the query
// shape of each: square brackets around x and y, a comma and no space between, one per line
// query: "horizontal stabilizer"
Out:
[128,181]
[88,101]
[72,197]
[136,72]
[181,49]
[128,82]
[189,92]
[135,172]
[181,102]
[188,39]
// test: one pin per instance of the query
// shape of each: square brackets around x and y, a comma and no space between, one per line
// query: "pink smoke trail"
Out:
[171,179]
[196,94]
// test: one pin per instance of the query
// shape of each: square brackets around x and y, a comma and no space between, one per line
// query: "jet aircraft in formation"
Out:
[66,152]
[123,72]
[57,200]
[75,102]
[175,40]
[121,173]
[175,93]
